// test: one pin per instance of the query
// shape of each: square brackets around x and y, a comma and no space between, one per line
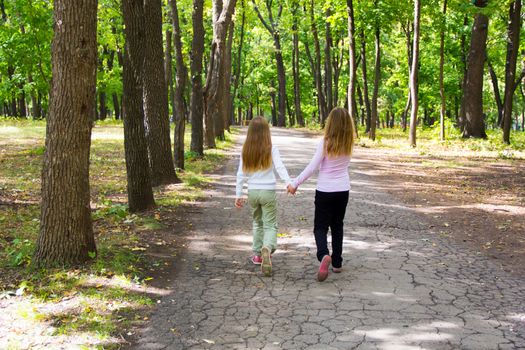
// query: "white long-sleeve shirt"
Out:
[333,172]
[264,179]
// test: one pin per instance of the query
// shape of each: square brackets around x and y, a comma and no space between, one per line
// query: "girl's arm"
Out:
[313,166]
[241,179]
[279,166]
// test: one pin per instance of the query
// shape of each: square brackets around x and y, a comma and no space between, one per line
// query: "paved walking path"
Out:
[402,287]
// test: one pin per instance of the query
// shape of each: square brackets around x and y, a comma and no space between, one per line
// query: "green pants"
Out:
[264,212]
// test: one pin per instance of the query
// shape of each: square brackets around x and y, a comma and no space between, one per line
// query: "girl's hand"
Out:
[239,202]
[290,189]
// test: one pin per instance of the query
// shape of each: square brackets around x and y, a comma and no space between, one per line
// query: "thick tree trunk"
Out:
[215,79]
[352,55]
[66,230]
[156,98]
[414,71]
[377,76]
[238,61]
[197,102]
[441,69]
[140,194]
[473,94]
[178,94]
[513,43]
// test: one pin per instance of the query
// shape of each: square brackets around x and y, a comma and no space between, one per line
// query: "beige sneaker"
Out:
[266,266]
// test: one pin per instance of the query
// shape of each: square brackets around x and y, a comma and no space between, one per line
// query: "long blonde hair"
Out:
[339,133]
[257,149]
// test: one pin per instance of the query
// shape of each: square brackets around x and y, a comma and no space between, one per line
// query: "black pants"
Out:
[330,209]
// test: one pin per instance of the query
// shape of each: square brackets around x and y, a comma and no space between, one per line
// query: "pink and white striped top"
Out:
[333,172]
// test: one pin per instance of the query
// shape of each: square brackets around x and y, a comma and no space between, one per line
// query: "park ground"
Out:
[470,193]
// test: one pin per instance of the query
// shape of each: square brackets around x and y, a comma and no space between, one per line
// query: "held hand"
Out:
[239,203]
[291,190]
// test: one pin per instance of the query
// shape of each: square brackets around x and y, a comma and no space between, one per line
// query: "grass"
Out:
[106,292]
[428,143]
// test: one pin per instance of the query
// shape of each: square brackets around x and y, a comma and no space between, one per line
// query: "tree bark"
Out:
[513,43]
[321,101]
[273,28]
[497,94]
[366,97]
[156,98]
[328,72]
[441,69]
[414,71]
[227,66]
[351,52]
[197,102]
[463,83]
[377,76]
[473,95]
[238,60]
[66,230]
[215,112]
[140,194]
[408,35]
[295,65]
[178,102]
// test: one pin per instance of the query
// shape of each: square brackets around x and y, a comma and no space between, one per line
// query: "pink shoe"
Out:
[256,259]
[323,269]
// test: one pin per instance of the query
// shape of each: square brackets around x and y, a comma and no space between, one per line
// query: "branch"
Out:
[518,81]
[261,18]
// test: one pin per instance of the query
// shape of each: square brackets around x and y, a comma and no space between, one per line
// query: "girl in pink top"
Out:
[332,159]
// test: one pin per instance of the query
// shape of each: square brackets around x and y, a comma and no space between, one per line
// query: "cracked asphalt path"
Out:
[402,287]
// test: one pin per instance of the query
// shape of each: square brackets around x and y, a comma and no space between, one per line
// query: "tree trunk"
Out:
[328,62]
[227,66]
[441,68]
[295,65]
[353,67]
[463,83]
[238,60]
[513,43]
[366,97]
[321,101]
[178,102]
[497,94]
[103,111]
[116,105]
[196,103]
[473,94]
[408,41]
[414,76]
[215,79]
[66,230]
[377,77]
[156,98]
[140,194]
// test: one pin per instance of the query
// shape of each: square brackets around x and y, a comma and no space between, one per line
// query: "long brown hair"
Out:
[339,133]
[257,149]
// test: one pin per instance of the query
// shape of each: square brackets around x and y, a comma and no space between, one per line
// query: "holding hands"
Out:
[291,190]
[239,203]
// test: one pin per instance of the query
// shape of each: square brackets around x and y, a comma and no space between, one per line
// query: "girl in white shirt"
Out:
[257,163]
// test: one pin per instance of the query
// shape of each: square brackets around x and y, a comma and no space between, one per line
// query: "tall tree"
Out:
[295,64]
[181,78]
[366,98]
[473,93]
[513,43]
[328,75]
[66,230]
[156,98]
[377,76]
[441,73]
[414,71]
[196,103]
[215,111]
[238,61]
[352,58]
[140,194]
[273,27]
